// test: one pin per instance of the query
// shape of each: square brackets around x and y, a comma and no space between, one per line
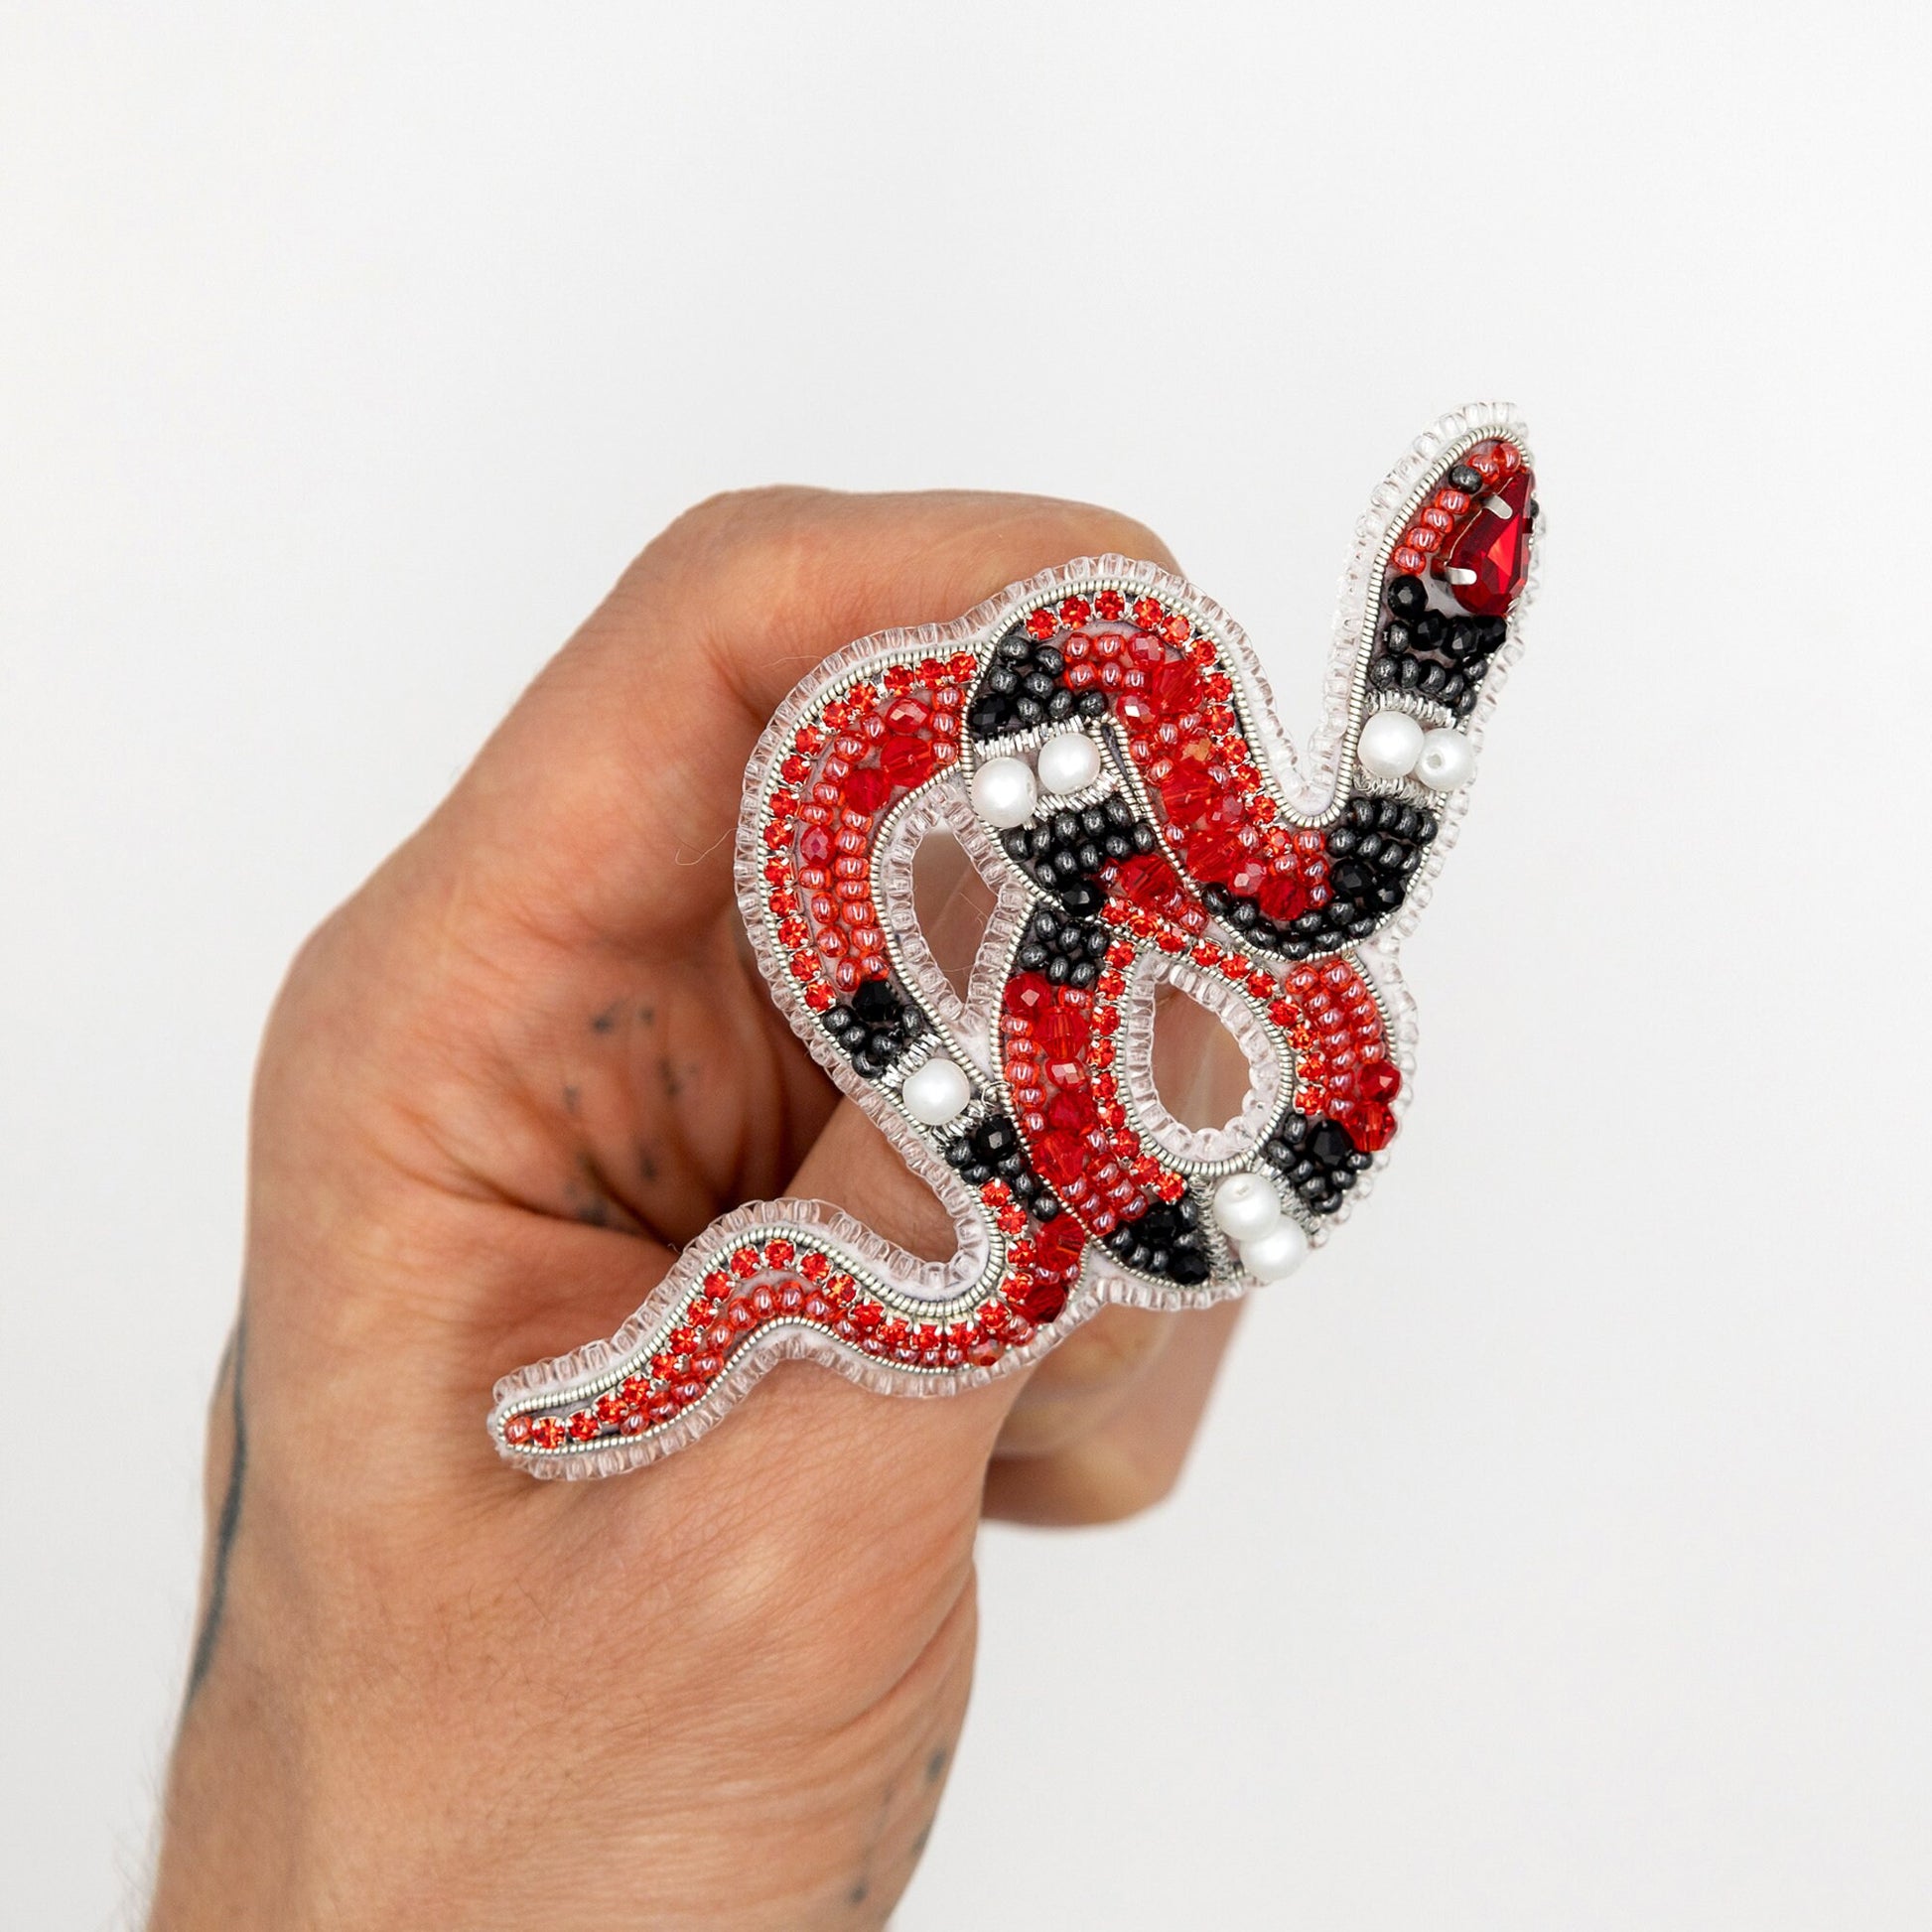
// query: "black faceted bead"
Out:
[1406,595]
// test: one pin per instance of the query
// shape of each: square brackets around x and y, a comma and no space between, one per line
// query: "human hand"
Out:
[530,1057]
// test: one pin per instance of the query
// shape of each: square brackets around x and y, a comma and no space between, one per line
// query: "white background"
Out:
[1557,1554]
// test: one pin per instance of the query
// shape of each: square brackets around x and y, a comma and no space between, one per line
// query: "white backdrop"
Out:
[1557,1554]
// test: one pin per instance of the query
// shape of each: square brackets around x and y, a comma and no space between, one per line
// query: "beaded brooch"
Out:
[1101,742]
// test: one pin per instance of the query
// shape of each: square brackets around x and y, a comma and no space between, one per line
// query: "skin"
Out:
[530,1055]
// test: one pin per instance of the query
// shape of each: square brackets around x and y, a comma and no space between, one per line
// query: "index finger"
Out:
[629,748]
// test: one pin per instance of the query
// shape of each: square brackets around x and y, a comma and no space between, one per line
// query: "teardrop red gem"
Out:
[1495,548]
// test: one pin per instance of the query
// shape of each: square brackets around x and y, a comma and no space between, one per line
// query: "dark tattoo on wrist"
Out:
[225,1523]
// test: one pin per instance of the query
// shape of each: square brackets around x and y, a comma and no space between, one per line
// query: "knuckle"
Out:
[1114,1483]
[730,519]
[1083,1485]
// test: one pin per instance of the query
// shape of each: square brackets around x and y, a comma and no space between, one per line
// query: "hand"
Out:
[525,1061]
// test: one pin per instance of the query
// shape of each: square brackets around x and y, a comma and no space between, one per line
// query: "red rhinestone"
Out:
[1043,623]
[1494,548]
[1148,612]
[582,1425]
[547,1433]
[1110,603]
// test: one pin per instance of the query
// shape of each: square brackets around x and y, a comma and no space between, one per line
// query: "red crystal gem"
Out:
[907,761]
[1284,895]
[1059,1157]
[547,1433]
[1062,1032]
[1496,548]
[583,1424]
[1039,1300]
[1149,880]
[1029,996]
[1043,623]
[1372,1128]
[866,789]
[1110,603]
[1057,1248]
[1176,687]
[1378,1080]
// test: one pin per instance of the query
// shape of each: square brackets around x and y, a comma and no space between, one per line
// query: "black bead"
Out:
[1406,597]
[1468,481]
[876,1000]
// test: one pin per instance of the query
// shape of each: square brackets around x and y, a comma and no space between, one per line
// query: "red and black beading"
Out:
[1184,853]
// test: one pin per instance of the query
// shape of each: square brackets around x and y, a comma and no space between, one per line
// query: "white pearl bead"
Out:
[1245,1207]
[1390,743]
[1448,760]
[937,1092]
[1274,1256]
[1068,761]
[1004,792]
